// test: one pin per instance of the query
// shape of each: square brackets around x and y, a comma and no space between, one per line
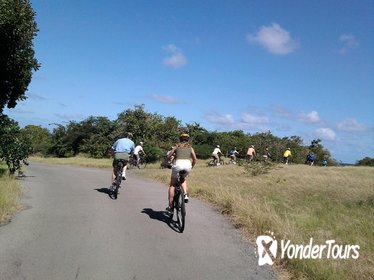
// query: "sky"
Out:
[302,68]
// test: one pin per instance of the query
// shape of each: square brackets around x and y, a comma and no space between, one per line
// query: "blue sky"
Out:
[301,68]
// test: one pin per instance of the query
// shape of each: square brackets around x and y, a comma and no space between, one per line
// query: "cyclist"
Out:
[185,159]
[251,153]
[286,155]
[138,149]
[310,158]
[266,154]
[233,153]
[217,154]
[121,150]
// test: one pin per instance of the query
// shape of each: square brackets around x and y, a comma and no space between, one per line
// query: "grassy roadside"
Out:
[295,202]
[10,193]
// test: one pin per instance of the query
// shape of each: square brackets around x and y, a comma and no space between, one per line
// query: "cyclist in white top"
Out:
[138,149]
[216,154]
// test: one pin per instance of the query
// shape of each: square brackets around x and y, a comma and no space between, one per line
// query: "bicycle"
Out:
[178,201]
[117,181]
[213,162]
[232,160]
[142,162]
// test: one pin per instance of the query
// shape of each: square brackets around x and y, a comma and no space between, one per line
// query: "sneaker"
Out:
[185,198]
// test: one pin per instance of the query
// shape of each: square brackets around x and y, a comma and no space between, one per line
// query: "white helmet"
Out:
[218,146]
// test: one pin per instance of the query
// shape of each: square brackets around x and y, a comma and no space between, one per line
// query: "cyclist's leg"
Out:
[124,168]
[114,171]
[216,159]
[172,184]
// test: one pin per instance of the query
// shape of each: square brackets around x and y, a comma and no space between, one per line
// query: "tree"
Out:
[100,137]
[40,138]
[17,61]
[366,161]
[14,148]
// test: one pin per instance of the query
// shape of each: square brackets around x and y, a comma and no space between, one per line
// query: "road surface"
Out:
[71,229]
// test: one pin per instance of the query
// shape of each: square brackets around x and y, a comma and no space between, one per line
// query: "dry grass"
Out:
[296,202]
[10,193]
[78,160]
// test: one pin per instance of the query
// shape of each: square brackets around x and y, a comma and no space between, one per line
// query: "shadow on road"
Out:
[161,216]
[108,192]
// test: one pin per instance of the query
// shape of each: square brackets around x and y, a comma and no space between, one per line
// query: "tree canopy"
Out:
[17,57]
[366,161]
[95,135]
[14,146]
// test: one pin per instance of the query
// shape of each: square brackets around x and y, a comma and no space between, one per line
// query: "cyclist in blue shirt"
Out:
[121,150]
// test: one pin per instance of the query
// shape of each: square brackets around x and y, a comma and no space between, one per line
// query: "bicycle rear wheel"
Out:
[142,164]
[180,208]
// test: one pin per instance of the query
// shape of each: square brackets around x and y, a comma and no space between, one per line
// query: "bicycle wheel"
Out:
[181,211]
[142,164]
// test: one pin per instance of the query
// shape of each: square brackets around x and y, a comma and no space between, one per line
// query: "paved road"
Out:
[71,229]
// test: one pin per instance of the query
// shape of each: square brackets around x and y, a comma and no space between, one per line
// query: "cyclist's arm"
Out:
[171,154]
[193,156]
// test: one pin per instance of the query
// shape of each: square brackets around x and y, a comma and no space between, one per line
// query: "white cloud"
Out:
[176,59]
[325,133]
[351,125]
[275,39]
[349,42]
[166,99]
[281,111]
[253,120]
[219,118]
[35,96]
[69,117]
[311,117]
[171,48]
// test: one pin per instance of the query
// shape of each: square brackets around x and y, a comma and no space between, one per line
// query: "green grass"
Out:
[10,193]
[296,202]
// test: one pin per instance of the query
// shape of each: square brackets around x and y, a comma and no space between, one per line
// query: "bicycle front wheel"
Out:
[181,212]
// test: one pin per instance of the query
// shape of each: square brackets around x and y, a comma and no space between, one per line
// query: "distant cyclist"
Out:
[121,150]
[217,155]
[185,159]
[286,156]
[266,156]
[310,158]
[251,153]
[138,149]
[232,154]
